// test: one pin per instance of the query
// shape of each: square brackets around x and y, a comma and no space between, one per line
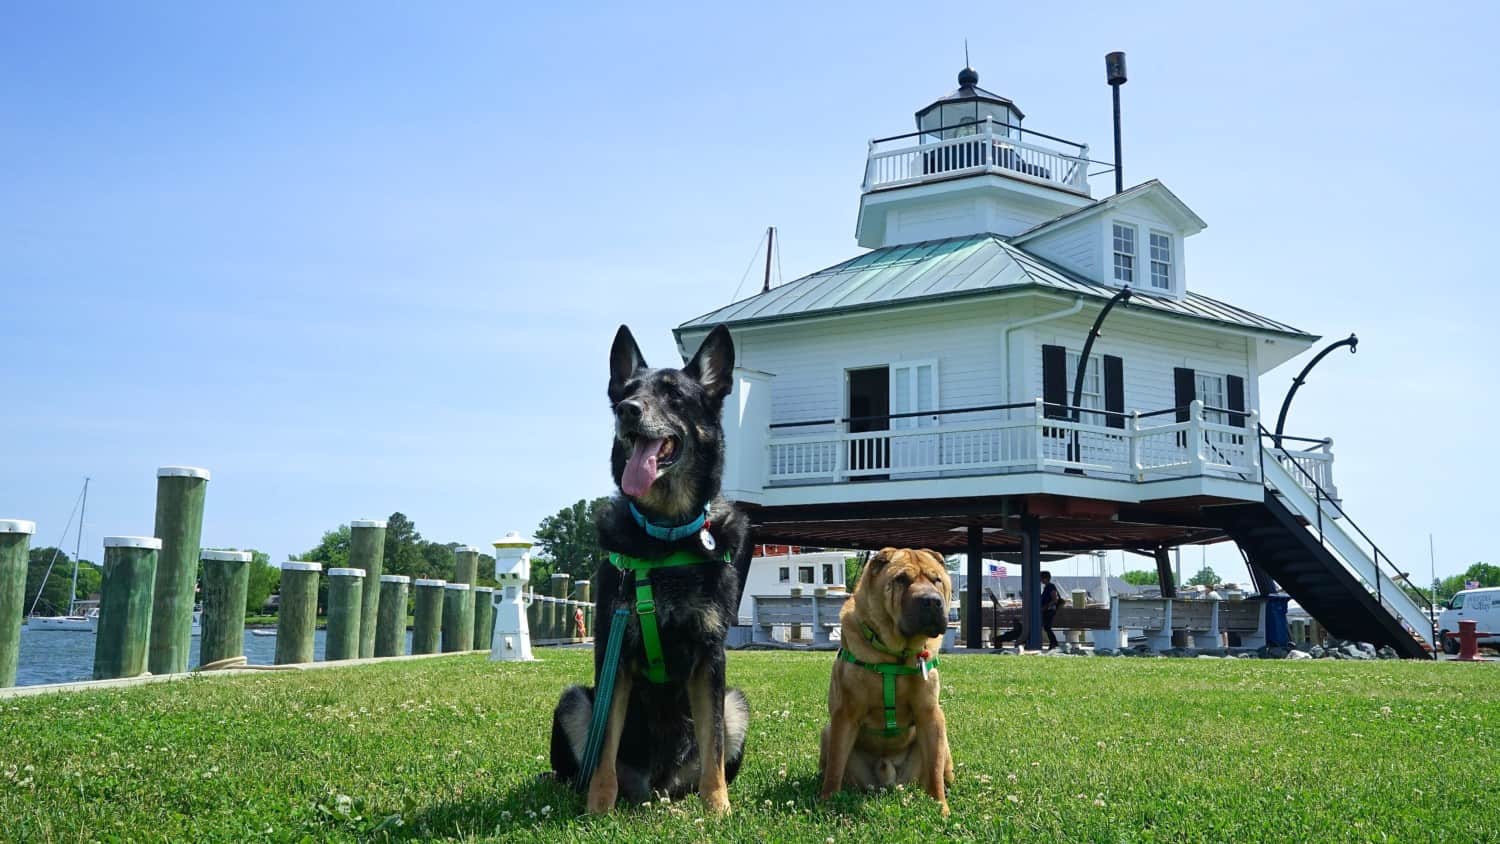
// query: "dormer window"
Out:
[1124,236]
[1161,261]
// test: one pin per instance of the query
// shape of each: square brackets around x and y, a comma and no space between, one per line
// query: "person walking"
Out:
[1052,600]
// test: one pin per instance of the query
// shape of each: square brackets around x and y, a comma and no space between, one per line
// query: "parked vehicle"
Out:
[1481,605]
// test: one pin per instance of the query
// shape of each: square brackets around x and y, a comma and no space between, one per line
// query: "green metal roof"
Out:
[955,267]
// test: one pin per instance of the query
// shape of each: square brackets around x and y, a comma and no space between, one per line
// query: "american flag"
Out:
[1471,584]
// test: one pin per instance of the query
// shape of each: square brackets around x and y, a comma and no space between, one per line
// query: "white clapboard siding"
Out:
[1075,246]
[1150,348]
[809,360]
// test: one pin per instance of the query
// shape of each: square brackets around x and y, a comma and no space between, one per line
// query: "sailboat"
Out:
[82,617]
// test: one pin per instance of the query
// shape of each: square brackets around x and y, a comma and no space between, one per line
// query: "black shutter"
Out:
[1185,391]
[1234,385]
[1114,391]
[1055,381]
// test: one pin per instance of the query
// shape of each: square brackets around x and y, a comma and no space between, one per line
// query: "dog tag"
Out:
[922,661]
[707,539]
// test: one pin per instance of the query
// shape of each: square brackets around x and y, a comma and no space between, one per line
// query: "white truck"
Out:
[1480,605]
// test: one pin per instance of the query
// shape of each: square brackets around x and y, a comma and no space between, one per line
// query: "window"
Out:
[1161,261]
[1458,601]
[1092,397]
[1210,391]
[804,574]
[827,574]
[785,575]
[1124,253]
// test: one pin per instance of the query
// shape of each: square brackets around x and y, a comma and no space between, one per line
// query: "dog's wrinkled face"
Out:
[669,446]
[911,587]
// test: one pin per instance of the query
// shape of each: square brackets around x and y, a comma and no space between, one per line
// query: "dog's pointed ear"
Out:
[713,366]
[624,361]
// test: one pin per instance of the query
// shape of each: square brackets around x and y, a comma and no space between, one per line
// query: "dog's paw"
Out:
[716,802]
[602,797]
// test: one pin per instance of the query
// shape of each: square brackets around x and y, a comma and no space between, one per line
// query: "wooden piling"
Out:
[180,492]
[123,639]
[297,612]
[390,625]
[15,545]
[428,623]
[345,609]
[226,580]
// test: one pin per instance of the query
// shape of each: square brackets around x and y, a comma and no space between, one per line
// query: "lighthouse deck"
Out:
[986,147]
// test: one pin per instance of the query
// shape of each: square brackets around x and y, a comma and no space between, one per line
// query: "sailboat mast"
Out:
[78,547]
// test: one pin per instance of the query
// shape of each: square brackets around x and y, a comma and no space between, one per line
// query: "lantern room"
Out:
[963,112]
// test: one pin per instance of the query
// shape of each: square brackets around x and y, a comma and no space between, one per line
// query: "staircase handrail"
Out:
[1320,495]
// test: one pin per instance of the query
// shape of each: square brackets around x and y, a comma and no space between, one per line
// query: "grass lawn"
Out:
[1079,749]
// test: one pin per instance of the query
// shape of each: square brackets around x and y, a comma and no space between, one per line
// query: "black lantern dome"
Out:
[963,111]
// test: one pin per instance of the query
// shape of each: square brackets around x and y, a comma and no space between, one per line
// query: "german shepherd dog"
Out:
[687,734]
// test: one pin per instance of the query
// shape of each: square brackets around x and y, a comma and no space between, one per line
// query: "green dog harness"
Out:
[888,672]
[645,604]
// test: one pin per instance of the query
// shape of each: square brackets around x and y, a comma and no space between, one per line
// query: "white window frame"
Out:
[1166,264]
[1087,399]
[1221,384]
[1132,258]
[933,399]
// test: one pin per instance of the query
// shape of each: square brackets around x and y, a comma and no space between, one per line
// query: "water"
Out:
[65,656]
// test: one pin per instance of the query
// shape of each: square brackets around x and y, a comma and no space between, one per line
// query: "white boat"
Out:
[262,631]
[87,622]
[82,616]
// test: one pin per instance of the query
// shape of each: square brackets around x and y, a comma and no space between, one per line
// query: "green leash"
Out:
[656,664]
[888,672]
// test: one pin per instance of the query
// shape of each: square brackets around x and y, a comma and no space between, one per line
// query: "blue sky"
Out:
[357,258]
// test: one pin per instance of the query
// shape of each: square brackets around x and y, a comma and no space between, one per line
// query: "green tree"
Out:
[265,579]
[55,592]
[1204,577]
[1140,577]
[333,550]
[403,552]
[1484,573]
[568,539]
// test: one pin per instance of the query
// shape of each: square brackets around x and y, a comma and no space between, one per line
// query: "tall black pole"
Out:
[1351,341]
[1031,579]
[770,244]
[1114,69]
[974,622]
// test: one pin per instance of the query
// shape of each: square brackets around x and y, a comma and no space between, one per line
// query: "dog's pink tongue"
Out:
[640,469]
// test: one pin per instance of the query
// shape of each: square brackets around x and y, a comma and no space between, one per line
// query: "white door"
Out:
[914,402]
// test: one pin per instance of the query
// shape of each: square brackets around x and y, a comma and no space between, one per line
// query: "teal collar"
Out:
[668,534]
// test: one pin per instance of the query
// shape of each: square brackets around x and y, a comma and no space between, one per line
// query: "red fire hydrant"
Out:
[1468,640]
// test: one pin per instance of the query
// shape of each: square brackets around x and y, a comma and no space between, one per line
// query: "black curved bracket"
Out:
[1351,341]
[1088,346]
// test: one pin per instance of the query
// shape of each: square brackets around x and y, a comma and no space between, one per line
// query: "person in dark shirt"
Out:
[1052,599]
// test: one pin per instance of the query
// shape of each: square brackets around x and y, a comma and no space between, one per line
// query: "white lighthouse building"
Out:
[926,392]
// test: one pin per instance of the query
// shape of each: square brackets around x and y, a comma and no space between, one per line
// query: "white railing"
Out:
[994,149]
[1023,439]
[1355,550]
[1317,463]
